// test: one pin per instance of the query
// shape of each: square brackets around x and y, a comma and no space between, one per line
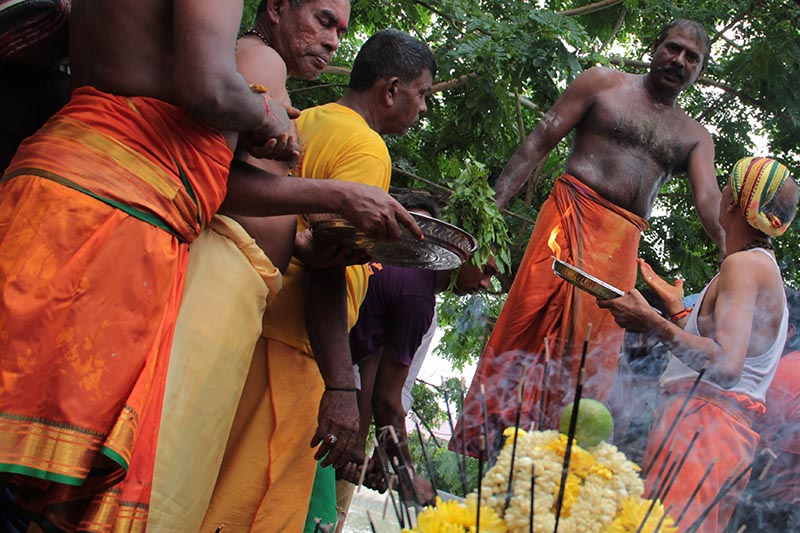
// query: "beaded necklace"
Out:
[257,33]
[767,245]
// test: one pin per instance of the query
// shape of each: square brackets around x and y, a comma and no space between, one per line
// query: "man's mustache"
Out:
[676,71]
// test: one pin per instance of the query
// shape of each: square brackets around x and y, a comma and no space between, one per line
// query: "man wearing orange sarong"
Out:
[594,235]
[81,397]
[96,213]
[630,137]
[734,335]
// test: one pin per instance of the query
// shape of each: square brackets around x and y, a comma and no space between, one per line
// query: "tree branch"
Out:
[449,18]
[452,84]
[614,31]
[591,8]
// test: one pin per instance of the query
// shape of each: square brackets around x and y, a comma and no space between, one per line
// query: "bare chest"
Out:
[664,135]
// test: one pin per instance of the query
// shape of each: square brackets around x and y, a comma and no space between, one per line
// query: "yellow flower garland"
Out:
[603,493]
[455,517]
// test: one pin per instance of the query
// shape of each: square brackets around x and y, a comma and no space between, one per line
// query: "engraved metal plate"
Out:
[582,280]
[445,246]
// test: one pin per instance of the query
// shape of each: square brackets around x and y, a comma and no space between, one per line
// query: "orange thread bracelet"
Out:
[681,314]
[264,91]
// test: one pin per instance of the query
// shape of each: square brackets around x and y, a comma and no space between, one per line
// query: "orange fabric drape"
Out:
[89,294]
[724,419]
[595,236]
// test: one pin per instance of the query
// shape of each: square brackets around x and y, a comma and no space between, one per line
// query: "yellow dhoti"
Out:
[263,470]
[229,282]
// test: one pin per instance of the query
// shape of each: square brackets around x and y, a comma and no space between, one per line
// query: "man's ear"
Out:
[275,8]
[389,90]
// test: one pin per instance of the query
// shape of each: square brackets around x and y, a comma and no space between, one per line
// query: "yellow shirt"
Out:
[337,143]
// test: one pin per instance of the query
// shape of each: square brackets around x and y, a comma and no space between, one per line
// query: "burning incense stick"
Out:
[317,522]
[543,388]
[220,528]
[657,481]
[407,468]
[520,391]
[674,422]
[489,439]
[770,460]
[461,473]
[663,517]
[385,504]
[428,465]
[573,423]
[695,491]
[402,491]
[463,428]
[427,427]
[731,482]
[674,476]
[363,472]
[654,499]
[371,523]
[533,491]
[481,448]
[389,481]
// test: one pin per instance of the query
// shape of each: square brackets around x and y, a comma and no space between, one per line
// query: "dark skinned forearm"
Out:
[258,193]
[326,323]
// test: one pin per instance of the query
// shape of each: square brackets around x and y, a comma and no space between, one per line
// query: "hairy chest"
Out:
[665,135]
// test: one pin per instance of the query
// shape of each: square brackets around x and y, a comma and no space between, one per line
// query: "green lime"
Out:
[594,424]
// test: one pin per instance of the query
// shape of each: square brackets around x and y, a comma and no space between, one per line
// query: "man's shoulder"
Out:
[601,77]
[261,56]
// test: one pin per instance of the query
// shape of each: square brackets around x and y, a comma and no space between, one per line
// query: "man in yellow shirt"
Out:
[299,372]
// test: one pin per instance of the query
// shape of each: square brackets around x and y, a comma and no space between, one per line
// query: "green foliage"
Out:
[466,323]
[471,206]
[445,466]
[443,462]
[249,14]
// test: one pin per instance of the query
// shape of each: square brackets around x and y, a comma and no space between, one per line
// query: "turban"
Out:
[754,182]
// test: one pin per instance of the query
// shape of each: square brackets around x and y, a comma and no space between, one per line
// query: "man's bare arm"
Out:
[565,114]
[262,65]
[722,353]
[705,190]
[207,84]
[254,192]
[325,298]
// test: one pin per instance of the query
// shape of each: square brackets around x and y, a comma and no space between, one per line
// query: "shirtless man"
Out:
[630,137]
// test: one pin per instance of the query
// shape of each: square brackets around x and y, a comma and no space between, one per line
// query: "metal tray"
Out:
[582,280]
[445,246]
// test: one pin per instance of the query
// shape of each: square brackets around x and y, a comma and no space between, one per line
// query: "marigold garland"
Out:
[603,492]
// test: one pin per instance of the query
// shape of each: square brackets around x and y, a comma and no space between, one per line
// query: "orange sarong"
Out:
[96,213]
[724,419]
[594,235]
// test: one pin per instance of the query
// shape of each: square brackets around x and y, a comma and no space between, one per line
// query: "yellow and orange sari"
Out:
[96,213]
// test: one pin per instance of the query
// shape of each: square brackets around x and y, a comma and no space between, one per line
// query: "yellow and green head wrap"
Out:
[754,182]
